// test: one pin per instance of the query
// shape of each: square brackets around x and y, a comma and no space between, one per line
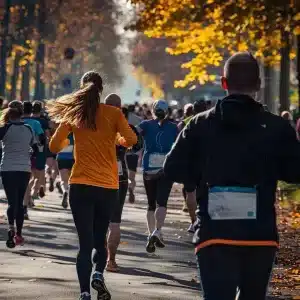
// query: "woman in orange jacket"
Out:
[94,179]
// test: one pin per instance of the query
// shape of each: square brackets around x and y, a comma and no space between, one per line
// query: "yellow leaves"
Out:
[296,30]
[232,17]
[242,46]
[150,81]
[297,17]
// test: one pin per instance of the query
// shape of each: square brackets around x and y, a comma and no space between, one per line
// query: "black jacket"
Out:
[236,143]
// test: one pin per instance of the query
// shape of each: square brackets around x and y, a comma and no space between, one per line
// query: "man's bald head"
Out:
[113,100]
[241,73]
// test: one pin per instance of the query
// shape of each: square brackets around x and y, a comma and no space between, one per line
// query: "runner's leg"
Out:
[83,206]
[11,192]
[106,200]
[151,192]
[163,192]
[114,235]
[257,264]
[23,181]
[219,271]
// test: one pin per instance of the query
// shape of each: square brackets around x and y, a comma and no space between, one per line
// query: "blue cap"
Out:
[160,105]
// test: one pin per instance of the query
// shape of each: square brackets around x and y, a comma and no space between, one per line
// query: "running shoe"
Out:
[131,197]
[112,266]
[158,239]
[85,296]
[42,192]
[51,185]
[191,229]
[150,247]
[58,186]
[10,243]
[99,285]
[19,240]
[64,203]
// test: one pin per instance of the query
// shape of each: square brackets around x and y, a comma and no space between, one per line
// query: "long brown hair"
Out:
[79,109]
[14,111]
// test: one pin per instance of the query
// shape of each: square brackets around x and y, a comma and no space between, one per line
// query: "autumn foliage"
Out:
[212,28]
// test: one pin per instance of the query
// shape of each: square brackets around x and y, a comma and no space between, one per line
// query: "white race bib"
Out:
[120,168]
[232,203]
[68,149]
[41,148]
[156,160]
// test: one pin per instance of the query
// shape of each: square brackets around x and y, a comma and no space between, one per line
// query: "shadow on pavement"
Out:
[33,253]
[148,273]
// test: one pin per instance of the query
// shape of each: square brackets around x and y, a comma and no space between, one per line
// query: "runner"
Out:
[94,180]
[132,158]
[37,114]
[236,153]
[18,140]
[114,236]
[37,162]
[159,135]
[189,194]
[65,160]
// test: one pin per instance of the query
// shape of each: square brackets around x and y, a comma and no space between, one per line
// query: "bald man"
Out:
[235,153]
[113,100]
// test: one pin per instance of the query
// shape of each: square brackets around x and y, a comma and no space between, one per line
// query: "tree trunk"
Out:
[40,55]
[268,95]
[14,78]
[25,87]
[3,51]
[285,63]
[298,70]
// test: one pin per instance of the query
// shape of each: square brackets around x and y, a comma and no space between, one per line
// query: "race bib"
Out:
[232,203]
[41,148]
[120,168]
[156,160]
[68,149]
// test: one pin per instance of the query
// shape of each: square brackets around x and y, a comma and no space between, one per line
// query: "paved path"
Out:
[45,267]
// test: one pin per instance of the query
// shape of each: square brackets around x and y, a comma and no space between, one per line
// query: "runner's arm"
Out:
[128,137]
[180,161]
[60,139]
[289,158]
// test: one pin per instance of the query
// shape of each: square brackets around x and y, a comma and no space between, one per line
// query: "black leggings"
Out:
[223,269]
[91,208]
[118,209]
[15,184]
[158,191]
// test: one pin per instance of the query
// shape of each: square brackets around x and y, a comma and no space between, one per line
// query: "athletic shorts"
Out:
[188,188]
[66,164]
[49,153]
[158,191]
[39,161]
[132,161]
[118,208]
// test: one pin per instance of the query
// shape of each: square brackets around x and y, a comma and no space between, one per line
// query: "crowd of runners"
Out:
[228,159]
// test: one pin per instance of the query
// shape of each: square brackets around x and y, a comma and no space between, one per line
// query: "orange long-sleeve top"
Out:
[95,151]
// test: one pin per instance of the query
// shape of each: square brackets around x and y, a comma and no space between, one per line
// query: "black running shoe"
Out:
[99,285]
[64,203]
[158,239]
[58,186]
[51,185]
[10,243]
[42,192]
[85,296]
[150,247]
